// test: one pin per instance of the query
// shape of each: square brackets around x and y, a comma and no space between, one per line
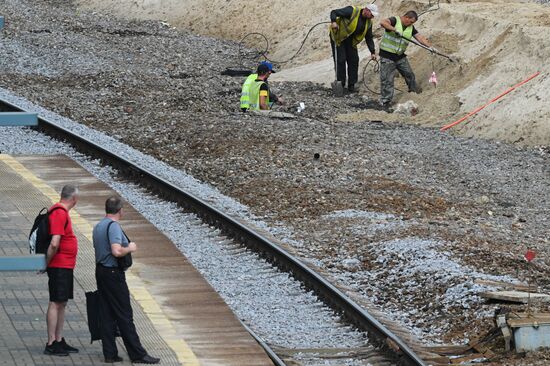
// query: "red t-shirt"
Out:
[68,245]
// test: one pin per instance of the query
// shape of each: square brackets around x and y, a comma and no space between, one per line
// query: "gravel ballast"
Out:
[273,304]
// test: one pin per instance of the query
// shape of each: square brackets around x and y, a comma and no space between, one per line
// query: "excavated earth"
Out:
[409,220]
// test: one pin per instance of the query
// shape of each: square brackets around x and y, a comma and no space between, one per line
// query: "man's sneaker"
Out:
[66,347]
[147,359]
[55,349]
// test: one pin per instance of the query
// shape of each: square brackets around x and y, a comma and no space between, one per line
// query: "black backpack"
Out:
[39,237]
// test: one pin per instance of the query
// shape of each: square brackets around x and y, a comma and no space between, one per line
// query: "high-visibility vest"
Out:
[346,27]
[392,43]
[254,93]
[245,94]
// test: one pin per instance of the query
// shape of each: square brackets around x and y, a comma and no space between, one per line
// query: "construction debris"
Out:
[408,108]
[515,296]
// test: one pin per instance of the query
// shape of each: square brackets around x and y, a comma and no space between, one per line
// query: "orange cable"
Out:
[491,101]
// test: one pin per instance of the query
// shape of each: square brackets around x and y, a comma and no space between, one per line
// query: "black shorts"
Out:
[60,284]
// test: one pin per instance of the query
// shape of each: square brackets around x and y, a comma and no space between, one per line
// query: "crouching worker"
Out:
[110,244]
[264,70]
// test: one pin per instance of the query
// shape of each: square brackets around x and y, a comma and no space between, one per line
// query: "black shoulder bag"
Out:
[123,262]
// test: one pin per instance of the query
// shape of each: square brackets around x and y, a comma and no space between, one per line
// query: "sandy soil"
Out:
[496,46]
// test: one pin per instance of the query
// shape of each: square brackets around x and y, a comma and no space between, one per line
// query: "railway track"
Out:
[379,335]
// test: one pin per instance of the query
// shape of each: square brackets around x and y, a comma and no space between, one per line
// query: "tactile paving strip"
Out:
[23,195]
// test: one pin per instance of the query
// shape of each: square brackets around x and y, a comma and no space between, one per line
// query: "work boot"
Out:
[55,349]
[417,89]
[113,359]
[386,107]
[351,88]
[66,347]
[147,359]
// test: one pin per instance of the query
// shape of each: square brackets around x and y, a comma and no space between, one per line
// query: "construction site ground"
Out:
[406,218]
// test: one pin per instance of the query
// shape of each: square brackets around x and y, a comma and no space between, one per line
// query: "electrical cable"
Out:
[266,49]
[258,54]
[375,69]
[429,8]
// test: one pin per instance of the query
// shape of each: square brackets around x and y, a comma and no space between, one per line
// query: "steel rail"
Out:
[379,335]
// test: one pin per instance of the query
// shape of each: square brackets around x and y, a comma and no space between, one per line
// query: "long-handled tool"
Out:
[429,49]
[337,87]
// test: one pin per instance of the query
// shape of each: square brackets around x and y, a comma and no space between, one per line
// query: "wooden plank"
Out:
[524,320]
[35,262]
[449,349]
[474,356]
[506,285]
[18,119]
[515,296]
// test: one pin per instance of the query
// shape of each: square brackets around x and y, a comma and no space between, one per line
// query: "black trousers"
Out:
[115,310]
[344,55]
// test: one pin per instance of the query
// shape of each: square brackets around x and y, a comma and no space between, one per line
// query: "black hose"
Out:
[431,7]
[258,54]
[266,49]
[375,69]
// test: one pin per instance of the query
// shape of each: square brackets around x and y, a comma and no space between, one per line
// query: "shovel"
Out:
[337,87]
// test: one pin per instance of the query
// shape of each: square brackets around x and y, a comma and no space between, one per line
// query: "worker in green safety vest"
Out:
[245,91]
[349,26]
[398,30]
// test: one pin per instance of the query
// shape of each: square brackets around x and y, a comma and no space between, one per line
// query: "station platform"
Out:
[178,315]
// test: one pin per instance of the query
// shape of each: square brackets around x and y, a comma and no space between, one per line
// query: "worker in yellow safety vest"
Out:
[398,32]
[349,26]
[258,90]
[245,91]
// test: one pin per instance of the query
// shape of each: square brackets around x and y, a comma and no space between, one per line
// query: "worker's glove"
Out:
[399,34]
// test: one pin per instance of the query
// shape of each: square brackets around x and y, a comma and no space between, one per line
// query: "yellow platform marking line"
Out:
[140,293]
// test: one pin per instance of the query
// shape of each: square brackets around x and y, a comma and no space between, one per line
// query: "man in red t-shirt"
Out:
[61,260]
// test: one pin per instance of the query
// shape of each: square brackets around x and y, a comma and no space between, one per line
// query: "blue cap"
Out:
[269,65]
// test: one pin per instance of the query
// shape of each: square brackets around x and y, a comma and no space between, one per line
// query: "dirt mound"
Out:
[494,51]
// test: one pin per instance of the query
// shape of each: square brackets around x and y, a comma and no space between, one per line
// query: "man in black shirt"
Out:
[349,26]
